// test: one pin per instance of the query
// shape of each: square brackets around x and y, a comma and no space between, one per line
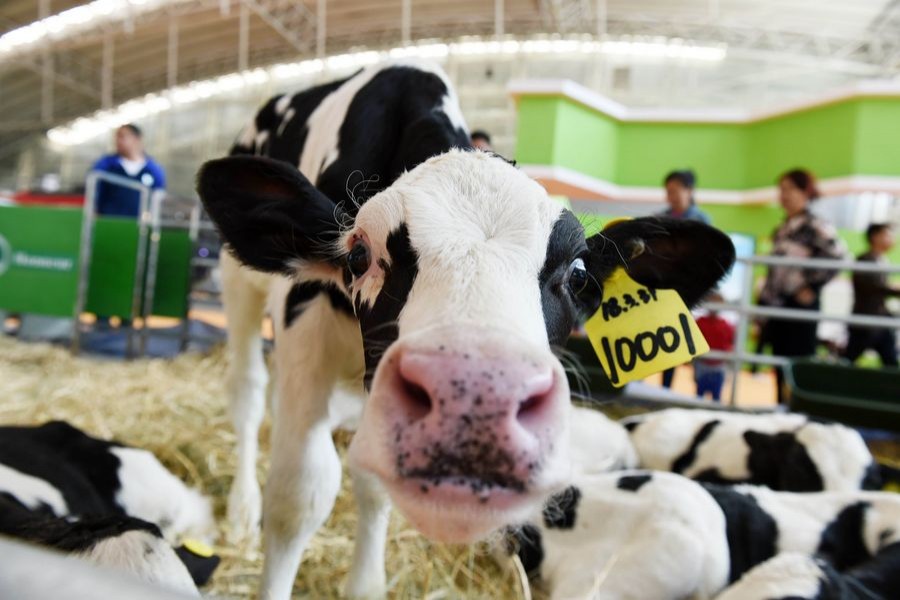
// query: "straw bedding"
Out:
[177,409]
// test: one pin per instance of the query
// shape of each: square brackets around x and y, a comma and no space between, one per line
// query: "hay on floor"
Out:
[177,409]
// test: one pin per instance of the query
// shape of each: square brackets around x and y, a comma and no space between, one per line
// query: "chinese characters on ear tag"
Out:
[639,331]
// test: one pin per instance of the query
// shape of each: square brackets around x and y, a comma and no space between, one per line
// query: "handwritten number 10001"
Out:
[614,307]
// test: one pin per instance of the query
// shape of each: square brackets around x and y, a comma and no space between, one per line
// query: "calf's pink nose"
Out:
[463,384]
[470,418]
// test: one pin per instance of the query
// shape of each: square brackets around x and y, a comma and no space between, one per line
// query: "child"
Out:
[709,373]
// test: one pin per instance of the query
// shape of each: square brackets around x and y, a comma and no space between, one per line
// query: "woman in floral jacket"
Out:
[801,235]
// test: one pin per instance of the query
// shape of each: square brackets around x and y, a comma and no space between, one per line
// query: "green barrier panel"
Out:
[39,257]
[39,250]
[173,274]
[851,395]
[113,262]
[113,267]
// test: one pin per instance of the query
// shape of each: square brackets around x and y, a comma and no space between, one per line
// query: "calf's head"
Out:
[464,275]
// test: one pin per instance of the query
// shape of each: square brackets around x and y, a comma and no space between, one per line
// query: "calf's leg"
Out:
[367,579]
[244,300]
[305,475]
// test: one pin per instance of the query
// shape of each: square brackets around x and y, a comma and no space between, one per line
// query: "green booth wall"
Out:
[856,136]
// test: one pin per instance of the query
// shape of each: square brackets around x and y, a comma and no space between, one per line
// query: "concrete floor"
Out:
[754,390]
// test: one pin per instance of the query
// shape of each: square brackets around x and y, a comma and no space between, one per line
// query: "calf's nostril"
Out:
[530,406]
[418,400]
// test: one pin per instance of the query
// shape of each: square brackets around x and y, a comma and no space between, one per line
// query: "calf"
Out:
[435,303]
[63,488]
[62,471]
[599,444]
[782,451]
[803,577]
[118,542]
[641,534]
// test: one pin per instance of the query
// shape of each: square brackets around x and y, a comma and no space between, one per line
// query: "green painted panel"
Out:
[648,151]
[111,276]
[878,137]
[821,139]
[586,141]
[39,257]
[39,254]
[173,272]
[535,134]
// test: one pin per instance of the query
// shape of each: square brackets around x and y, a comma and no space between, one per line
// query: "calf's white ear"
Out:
[687,256]
[268,213]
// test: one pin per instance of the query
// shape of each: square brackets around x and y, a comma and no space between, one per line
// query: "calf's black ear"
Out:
[664,253]
[268,213]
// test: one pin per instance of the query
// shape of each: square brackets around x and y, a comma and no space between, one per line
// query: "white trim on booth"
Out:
[575,185]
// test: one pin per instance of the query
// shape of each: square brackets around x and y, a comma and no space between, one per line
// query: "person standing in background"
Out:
[709,373]
[131,162]
[801,235]
[870,291]
[680,196]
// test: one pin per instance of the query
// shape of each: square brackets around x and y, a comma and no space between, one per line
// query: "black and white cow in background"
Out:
[782,451]
[113,504]
[650,534]
[803,577]
[442,296]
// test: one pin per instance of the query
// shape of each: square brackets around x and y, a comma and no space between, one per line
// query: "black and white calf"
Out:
[782,451]
[802,577]
[117,542]
[643,534]
[599,444]
[113,504]
[434,303]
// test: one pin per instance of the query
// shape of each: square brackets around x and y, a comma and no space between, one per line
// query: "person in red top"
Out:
[709,373]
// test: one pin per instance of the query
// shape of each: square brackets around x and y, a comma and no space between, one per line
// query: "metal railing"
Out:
[746,310]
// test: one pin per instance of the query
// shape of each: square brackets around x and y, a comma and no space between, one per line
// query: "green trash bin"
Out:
[851,395]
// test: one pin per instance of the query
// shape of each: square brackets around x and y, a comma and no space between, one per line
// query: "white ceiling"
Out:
[777,49]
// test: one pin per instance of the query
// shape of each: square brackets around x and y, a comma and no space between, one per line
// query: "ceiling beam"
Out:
[288,19]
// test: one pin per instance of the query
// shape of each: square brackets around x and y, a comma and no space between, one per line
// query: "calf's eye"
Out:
[359,259]
[577,278]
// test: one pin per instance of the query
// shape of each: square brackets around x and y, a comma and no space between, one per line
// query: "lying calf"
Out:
[116,541]
[639,534]
[802,577]
[599,444]
[54,474]
[781,451]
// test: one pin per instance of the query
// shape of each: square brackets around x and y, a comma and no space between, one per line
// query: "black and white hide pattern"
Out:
[422,308]
[114,541]
[795,576]
[643,534]
[782,451]
[99,499]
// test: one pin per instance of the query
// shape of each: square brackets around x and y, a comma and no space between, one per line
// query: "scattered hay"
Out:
[176,408]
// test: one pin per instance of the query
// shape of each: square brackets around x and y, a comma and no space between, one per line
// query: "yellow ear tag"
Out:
[639,331]
[198,548]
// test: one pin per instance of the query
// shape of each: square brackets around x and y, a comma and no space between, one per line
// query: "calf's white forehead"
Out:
[480,229]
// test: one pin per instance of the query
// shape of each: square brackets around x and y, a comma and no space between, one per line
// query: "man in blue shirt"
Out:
[131,162]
